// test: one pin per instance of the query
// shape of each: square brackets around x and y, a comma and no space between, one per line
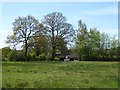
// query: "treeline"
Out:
[18,55]
[41,41]
[92,45]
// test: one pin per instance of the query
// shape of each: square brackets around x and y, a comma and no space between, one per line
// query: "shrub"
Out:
[20,58]
[4,53]
[49,58]
[56,59]
[12,56]
[42,57]
[37,58]
[33,57]
[16,56]
[29,57]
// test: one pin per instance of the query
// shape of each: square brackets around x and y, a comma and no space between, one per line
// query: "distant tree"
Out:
[105,46]
[82,40]
[93,45]
[114,45]
[5,53]
[118,50]
[23,29]
[57,26]
[87,43]
[94,42]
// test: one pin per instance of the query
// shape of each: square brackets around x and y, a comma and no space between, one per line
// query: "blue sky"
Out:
[100,15]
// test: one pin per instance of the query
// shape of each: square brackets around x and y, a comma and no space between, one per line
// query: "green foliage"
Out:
[12,55]
[93,45]
[39,44]
[42,57]
[6,51]
[17,56]
[61,46]
[20,56]
[56,59]
[49,58]
[29,57]
[33,57]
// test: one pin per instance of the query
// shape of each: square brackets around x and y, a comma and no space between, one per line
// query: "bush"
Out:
[16,56]
[29,58]
[37,58]
[56,59]
[20,58]
[33,57]
[49,58]
[42,57]
[12,56]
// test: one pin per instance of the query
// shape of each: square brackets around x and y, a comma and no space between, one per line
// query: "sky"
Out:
[100,15]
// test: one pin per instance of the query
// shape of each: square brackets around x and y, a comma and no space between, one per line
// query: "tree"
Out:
[105,46]
[94,45]
[114,45]
[94,42]
[5,53]
[87,43]
[82,40]
[39,44]
[62,45]
[57,26]
[23,29]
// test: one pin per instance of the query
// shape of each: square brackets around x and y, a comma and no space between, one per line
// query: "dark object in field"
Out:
[71,59]
[62,58]
[76,58]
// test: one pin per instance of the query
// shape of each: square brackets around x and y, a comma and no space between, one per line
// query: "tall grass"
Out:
[60,74]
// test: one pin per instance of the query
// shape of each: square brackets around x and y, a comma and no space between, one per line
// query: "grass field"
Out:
[74,74]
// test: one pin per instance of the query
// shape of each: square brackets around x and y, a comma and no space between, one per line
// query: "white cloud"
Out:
[106,11]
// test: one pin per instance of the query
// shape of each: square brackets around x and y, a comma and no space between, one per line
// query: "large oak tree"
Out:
[23,29]
[57,26]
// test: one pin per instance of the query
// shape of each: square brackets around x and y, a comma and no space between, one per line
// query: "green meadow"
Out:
[69,74]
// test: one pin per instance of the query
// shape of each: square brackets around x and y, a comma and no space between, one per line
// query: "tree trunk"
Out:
[53,52]
[26,49]
[53,44]
[37,53]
